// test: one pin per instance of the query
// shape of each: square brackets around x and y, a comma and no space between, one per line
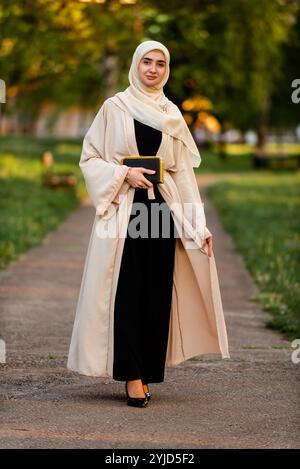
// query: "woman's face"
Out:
[152,68]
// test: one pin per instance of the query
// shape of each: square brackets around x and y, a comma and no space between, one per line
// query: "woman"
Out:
[145,302]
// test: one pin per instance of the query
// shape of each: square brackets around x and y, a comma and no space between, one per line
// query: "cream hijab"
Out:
[150,105]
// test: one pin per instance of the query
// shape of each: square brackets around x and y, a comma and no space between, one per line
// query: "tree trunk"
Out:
[259,157]
[110,64]
[262,126]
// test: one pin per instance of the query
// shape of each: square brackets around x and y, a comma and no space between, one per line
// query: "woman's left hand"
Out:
[209,243]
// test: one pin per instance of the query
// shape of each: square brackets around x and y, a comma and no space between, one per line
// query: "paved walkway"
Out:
[248,401]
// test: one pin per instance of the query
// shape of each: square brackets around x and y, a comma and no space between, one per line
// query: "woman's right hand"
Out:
[136,178]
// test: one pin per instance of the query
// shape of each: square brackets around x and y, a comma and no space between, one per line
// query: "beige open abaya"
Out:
[197,323]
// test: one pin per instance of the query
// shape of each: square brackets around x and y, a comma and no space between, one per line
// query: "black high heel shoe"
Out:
[147,393]
[136,401]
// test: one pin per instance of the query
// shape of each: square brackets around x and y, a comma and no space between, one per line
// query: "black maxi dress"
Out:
[144,290]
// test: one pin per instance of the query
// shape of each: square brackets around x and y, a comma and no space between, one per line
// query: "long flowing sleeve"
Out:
[103,178]
[186,182]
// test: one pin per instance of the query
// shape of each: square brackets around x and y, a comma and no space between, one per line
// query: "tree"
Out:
[233,52]
[63,51]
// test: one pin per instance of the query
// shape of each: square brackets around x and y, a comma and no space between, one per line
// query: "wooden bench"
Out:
[65,180]
[276,161]
[53,179]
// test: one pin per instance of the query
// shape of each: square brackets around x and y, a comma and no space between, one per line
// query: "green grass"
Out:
[261,213]
[212,163]
[28,210]
[238,158]
[260,210]
[288,148]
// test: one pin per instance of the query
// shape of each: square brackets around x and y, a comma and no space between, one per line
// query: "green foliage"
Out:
[235,52]
[28,211]
[284,112]
[261,213]
[53,50]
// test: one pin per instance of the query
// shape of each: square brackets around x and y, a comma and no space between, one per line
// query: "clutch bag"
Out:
[148,162]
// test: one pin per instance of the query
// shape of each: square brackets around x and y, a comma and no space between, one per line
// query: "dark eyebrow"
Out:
[147,58]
